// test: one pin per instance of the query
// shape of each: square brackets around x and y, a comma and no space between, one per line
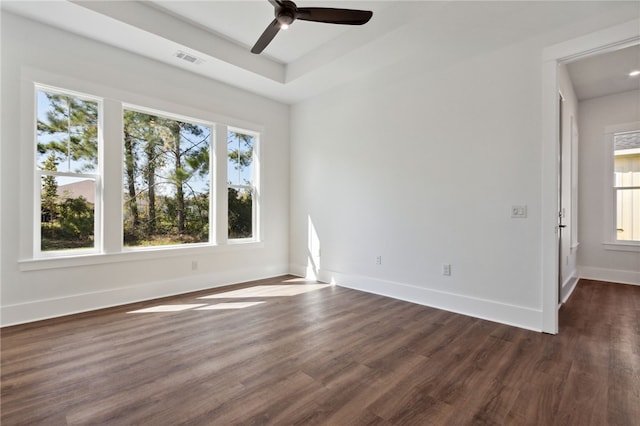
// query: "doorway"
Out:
[613,38]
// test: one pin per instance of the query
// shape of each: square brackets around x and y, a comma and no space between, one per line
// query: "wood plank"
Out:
[328,356]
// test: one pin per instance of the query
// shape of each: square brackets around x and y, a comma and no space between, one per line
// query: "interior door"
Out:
[561,215]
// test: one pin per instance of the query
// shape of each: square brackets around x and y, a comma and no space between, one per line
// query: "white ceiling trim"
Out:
[431,33]
[143,17]
[148,31]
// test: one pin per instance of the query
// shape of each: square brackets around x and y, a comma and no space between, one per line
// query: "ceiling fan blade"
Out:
[266,37]
[275,3]
[334,16]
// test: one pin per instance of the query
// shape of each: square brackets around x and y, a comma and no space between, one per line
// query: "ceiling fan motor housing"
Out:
[286,13]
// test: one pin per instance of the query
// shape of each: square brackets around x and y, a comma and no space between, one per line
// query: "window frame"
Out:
[110,248]
[611,241]
[213,187]
[254,187]
[39,174]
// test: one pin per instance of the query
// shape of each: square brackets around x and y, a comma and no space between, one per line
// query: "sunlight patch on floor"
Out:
[167,308]
[250,292]
[268,291]
[230,305]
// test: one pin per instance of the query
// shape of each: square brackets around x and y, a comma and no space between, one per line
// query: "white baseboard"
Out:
[51,308]
[567,287]
[298,270]
[518,316]
[611,275]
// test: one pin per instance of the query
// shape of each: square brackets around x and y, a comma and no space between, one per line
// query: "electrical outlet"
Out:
[519,212]
[446,269]
[378,260]
[194,265]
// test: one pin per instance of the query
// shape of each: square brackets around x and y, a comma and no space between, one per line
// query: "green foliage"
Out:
[166,180]
[241,149]
[240,199]
[198,217]
[70,131]
[240,213]
[76,219]
[49,197]
[70,227]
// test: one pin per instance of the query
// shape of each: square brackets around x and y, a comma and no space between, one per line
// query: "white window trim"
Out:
[610,241]
[97,218]
[255,188]
[185,251]
[112,101]
[97,177]
[213,187]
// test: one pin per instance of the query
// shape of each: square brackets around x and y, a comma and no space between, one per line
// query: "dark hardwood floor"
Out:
[330,356]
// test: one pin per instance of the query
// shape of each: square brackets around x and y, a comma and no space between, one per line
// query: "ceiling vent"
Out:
[188,58]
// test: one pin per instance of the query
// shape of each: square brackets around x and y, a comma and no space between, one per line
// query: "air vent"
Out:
[187,57]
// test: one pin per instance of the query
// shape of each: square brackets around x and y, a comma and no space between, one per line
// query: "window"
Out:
[166,180]
[241,188]
[115,178]
[626,154]
[68,171]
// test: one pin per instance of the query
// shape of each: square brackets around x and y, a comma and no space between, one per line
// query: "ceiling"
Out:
[605,73]
[310,58]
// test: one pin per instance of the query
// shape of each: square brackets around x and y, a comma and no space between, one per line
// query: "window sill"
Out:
[132,255]
[632,246]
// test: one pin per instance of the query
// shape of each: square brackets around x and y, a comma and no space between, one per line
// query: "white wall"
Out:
[421,163]
[594,261]
[569,241]
[422,166]
[27,295]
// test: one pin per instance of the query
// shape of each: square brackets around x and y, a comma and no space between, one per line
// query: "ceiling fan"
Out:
[286,12]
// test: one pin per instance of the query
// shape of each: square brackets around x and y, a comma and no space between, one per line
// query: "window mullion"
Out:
[37,211]
[221,193]
[257,146]
[111,187]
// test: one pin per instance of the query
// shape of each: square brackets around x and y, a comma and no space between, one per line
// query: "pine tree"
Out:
[49,197]
[72,128]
